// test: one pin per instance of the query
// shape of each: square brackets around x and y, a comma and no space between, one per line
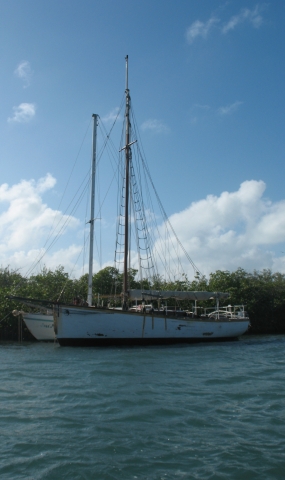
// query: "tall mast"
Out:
[127,167]
[92,219]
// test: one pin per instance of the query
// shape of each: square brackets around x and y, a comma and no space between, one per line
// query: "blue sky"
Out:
[207,85]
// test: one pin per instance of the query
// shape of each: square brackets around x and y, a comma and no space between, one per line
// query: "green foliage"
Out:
[262,293]
[49,285]
[107,281]
[10,281]
[80,286]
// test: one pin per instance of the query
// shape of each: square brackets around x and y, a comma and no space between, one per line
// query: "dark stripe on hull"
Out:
[109,342]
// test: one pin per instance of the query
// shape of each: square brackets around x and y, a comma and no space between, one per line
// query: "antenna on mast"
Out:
[127,71]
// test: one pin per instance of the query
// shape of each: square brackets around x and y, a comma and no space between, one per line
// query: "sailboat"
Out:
[40,324]
[95,325]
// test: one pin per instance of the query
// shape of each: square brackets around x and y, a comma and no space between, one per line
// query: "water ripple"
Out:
[211,411]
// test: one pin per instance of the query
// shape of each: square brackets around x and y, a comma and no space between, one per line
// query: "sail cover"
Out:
[159,294]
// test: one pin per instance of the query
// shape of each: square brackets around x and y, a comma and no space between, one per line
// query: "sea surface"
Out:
[203,411]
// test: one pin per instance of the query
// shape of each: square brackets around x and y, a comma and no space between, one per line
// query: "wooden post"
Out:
[20,329]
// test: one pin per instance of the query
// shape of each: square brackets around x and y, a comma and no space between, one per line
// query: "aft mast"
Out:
[127,174]
[92,219]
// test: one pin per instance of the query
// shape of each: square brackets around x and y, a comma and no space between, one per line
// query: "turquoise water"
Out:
[204,411]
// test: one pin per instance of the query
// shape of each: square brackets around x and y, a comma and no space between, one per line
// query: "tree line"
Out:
[262,293]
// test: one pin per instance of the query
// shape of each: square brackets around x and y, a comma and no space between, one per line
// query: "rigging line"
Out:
[69,216]
[165,216]
[173,231]
[155,244]
[140,189]
[111,152]
[68,180]
[43,253]
[37,260]
[140,180]
[98,194]
[51,231]
[137,242]
[59,232]
[70,203]
[53,228]
[102,127]
[116,117]
[147,231]
[140,219]
[100,209]
[107,145]
[74,265]
[86,214]
[75,161]
[98,189]
[161,206]
[120,182]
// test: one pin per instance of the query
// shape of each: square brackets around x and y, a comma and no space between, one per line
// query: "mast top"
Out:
[127,72]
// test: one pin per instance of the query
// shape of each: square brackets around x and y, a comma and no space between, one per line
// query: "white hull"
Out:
[86,326]
[40,325]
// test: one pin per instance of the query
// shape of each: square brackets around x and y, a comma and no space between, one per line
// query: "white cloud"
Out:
[23,113]
[202,107]
[252,16]
[24,72]
[200,113]
[31,262]
[155,126]
[229,109]
[112,116]
[235,229]
[200,29]
[203,29]
[68,258]
[27,222]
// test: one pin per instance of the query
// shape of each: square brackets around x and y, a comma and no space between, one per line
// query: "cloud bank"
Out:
[26,223]
[224,232]
[235,229]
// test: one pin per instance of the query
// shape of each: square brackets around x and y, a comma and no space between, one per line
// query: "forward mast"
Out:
[127,190]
